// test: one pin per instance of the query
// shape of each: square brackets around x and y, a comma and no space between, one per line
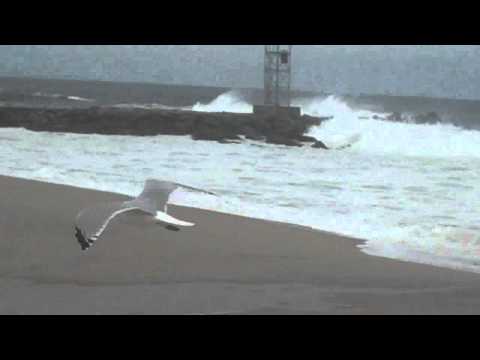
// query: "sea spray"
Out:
[228,102]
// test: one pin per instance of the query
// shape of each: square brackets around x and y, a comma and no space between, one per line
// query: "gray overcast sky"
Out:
[439,70]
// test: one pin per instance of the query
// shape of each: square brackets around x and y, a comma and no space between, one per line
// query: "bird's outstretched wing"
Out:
[156,195]
[92,222]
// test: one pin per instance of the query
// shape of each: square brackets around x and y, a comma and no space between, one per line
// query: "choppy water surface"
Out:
[410,190]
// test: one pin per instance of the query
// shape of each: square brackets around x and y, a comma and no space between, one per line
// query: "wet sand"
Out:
[225,265]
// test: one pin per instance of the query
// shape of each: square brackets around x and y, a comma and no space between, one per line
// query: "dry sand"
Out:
[225,265]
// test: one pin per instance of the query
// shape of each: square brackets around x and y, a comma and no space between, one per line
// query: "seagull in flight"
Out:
[91,223]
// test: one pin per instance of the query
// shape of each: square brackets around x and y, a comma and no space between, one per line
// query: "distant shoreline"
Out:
[20,92]
[19,82]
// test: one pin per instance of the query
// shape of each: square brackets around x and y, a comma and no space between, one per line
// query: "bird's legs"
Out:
[172,228]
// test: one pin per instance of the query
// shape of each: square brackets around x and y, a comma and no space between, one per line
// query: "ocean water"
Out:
[410,190]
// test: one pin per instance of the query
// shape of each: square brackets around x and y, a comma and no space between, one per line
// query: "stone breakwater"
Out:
[221,127]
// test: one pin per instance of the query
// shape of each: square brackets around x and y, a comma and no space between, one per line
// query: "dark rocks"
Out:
[421,118]
[428,118]
[320,145]
[282,140]
[220,127]
[307,139]
[214,135]
[251,133]
[396,117]
[315,121]
[213,129]
[377,117]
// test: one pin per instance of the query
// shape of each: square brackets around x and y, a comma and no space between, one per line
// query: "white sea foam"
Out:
[228,102]
[410,190]
[78,98]
[60,96]
[391,138]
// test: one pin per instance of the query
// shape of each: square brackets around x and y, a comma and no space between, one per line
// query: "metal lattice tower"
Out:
[278,74]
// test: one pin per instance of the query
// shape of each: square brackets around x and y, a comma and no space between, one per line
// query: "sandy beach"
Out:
[225,265]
